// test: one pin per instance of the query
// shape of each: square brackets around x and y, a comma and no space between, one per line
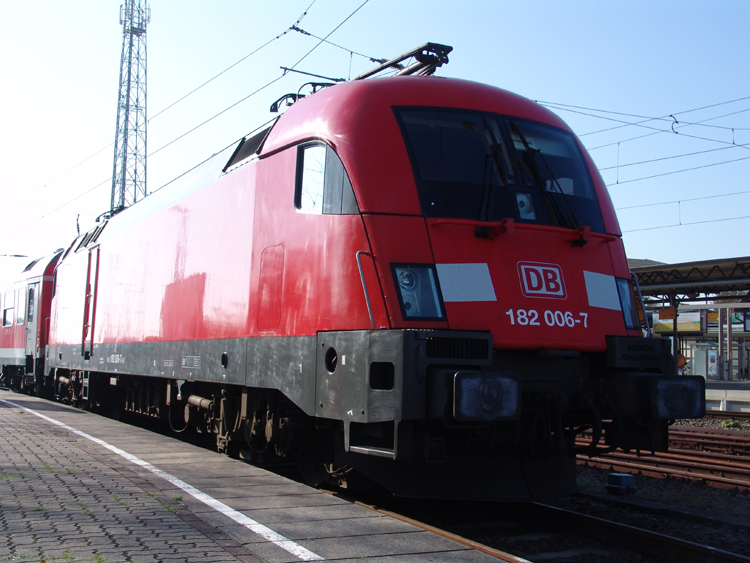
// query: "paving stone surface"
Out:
[67,499]
[58,503]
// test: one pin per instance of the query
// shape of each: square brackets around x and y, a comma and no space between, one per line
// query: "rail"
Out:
[471,524]
[696,460]
[641,539]
[733,415]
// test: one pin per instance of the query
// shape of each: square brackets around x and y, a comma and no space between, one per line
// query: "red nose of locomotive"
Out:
[531,287]
[511,238]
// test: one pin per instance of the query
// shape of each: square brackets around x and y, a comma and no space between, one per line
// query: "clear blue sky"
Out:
[599,65]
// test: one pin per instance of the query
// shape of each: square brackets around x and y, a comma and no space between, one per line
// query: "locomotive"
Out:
[411,280]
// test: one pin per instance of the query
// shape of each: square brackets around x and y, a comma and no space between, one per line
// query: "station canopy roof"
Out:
[726,279]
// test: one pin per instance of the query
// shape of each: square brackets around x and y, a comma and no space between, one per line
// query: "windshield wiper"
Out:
[494,151]
[571,221]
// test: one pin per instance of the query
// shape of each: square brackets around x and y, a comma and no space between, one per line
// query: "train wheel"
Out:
[115,404]
[317,460]
[311,462]
[228,446]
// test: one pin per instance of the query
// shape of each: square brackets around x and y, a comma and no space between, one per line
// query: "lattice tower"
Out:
[129,174]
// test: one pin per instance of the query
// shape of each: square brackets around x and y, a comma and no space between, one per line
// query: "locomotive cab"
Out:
[505,323]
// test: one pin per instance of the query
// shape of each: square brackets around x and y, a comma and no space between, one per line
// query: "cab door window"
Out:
[311,182]
[30,312]
[323,185]
[9,308]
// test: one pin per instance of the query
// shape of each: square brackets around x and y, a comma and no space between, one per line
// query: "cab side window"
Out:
[323,185]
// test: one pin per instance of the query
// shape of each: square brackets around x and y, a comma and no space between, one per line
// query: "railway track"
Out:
[725,415]
[718,458]
[712,470]
[530,533]
[612,528]
[709,439]
[640,539]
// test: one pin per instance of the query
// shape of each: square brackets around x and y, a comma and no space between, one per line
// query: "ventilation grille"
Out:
[458,348]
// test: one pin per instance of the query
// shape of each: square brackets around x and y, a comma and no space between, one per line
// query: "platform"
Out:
[732,395]
[736,384]
[77,486]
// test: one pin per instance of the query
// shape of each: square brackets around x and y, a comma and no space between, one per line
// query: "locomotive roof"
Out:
[338,110]
[35,269]
[357,119]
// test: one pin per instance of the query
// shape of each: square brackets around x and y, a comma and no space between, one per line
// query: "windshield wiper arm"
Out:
[493,149]
[540,184]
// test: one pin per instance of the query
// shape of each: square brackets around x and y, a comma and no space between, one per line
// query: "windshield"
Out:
[488,167]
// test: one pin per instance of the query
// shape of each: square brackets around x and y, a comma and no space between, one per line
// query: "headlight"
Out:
[627,303]
[418,291]
[677,396]
[481,395]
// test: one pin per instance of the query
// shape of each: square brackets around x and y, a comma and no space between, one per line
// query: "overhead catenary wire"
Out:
[226,109]
[675,127]
[678,171]
[157,114]
[331,33]
[79,196]
[216,115]
[618,165]
[659,131]
[79,164]
[646,119]
[186,172]
[688,224]
[266,44]
[368,57]
[682,200]
[655,130]
[262,87]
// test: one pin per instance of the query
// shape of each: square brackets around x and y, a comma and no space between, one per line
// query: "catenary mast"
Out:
[129,174]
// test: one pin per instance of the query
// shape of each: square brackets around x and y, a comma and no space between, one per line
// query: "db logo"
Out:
[541,280]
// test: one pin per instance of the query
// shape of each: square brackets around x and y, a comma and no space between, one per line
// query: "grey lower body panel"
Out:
[12,357]
[361,377]
[283,363]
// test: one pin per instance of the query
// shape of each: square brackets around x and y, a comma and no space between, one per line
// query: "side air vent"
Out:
[458,348]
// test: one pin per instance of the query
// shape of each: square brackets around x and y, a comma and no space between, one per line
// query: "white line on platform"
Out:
[263,531]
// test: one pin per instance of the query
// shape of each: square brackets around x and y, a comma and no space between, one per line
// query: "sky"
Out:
[658,92]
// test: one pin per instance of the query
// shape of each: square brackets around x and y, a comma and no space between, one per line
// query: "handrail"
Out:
[643,303]
[364,284]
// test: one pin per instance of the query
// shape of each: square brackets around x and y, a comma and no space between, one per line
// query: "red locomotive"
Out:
[413,279]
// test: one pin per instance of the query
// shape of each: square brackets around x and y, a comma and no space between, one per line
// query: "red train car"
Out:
[413,279]
[25,306]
